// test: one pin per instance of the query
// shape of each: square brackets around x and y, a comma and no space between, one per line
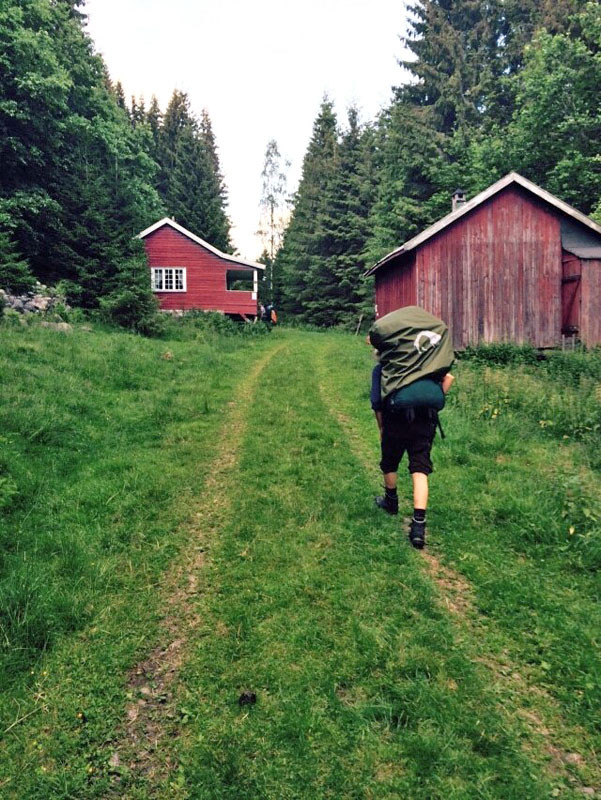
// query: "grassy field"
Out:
[187,525]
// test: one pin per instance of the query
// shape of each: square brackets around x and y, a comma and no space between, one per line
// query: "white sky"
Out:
[259,67]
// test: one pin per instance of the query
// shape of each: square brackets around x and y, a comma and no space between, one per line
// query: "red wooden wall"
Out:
[205,275]
[395,285]
[590,309]
[494,275]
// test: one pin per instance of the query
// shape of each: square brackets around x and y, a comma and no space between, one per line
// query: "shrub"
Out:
[15,275]
[132,304]
[501,353]
[211,323]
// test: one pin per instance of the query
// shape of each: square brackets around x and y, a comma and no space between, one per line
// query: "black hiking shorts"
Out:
[415,438]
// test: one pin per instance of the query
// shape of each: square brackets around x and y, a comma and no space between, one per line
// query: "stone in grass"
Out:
[247,699]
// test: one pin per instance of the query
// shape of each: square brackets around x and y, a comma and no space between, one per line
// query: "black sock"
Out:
[419,514]
[390,492]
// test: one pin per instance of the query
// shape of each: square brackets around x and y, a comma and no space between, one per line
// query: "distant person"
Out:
[413,350]
[269,314]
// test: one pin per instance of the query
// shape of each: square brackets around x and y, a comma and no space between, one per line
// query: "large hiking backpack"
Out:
[415,353]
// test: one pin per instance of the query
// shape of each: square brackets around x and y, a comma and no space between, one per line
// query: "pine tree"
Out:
[303,271]
[219,222]
[75,180]
[138,111]
[15,274]
[455,44]
[194,196]
[120,97]
[177,117]
[154,121]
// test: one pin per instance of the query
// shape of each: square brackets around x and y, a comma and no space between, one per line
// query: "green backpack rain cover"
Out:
[413,345]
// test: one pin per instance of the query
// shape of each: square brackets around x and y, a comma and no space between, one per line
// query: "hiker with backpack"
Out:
[409,385]
[269,315]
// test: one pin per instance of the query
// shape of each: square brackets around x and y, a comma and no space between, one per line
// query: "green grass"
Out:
[367,685]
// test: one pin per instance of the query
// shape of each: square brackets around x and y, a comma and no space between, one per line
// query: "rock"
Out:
[41,303]
[57,326]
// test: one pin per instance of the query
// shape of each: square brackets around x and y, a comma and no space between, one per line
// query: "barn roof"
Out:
[582,244]
[198,240]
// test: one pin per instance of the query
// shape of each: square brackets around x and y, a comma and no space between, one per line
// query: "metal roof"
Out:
[512,178]
[198,240]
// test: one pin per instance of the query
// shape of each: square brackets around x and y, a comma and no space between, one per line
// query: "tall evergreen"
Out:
[176,118]
[190,180]
[298,259]
[154,120]
[75,180]
[322,259]
[194,197]
[455,49]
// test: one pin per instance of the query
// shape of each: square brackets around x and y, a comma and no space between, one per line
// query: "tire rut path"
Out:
[546,727]
[151,713]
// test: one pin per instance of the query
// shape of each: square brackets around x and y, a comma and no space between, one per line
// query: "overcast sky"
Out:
[260,68]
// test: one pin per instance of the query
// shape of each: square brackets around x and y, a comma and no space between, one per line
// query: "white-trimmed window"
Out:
[168,279]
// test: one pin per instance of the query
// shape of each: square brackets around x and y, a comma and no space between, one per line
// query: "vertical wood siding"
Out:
[205,275]
[395,286]
[590,309]
[494,275]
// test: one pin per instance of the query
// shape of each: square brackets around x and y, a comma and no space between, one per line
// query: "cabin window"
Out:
[168,279]
[239,280]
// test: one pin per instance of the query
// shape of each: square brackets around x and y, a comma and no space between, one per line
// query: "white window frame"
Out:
[158,279]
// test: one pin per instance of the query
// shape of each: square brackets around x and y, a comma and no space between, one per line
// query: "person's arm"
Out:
[376,402]
[447,382]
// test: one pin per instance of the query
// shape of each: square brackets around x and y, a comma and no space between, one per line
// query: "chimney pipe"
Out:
[458,199]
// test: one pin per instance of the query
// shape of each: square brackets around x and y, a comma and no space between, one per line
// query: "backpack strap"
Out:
[435,417]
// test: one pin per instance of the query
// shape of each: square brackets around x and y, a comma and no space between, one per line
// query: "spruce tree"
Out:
[303,271]
[177,117]
[75,179]
[154,121]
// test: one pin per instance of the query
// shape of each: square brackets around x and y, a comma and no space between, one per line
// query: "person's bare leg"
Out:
[417,528]
[390,480]
[420,489]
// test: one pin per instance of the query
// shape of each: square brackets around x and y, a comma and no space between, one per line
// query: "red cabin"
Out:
[188,273]
[513,264]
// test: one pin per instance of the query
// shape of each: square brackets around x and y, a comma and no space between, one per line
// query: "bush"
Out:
[211,323]
[133,308]
[501,353]
[132,304]
[15,275]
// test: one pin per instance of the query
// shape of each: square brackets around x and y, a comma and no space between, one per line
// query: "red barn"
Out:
[513,264]
[188,273]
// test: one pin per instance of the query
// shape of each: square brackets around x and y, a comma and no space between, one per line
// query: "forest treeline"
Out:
[82,172]
[487,87]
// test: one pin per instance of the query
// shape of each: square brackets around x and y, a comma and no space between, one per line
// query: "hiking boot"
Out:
[388,504]
[417,534]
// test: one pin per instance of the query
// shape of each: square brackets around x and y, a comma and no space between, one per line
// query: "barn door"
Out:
[570,294]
